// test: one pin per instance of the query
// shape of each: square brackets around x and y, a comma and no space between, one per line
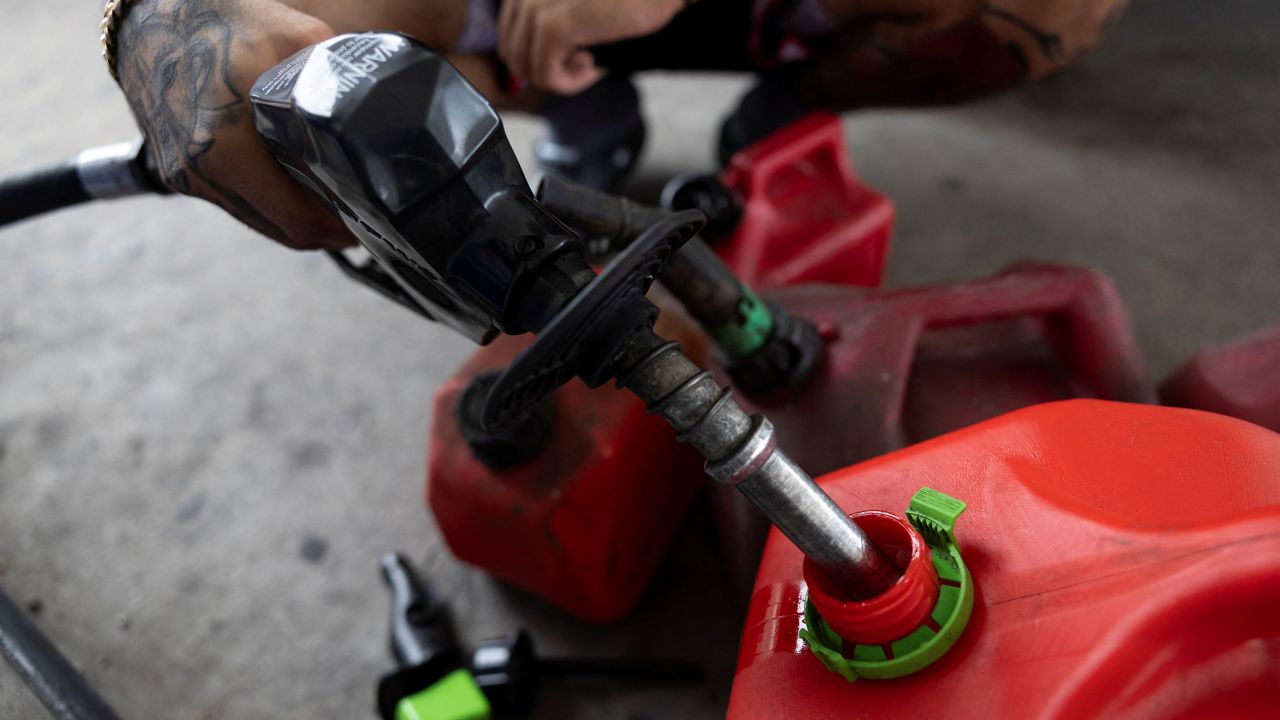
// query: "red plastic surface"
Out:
[904,366]
[584,524]
[1126,559]
[894,613]
[807,218]
[1240,379]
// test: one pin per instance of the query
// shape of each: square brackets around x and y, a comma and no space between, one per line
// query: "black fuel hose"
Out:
[40,191]
[729,311]
[50,676]
[102,173]
[768,350]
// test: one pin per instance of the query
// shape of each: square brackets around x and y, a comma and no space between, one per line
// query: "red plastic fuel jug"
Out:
[1122,561]
[806,217]
[903,366]
[1240,379]
[584,522]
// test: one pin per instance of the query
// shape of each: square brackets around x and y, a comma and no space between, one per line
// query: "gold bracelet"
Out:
[112,15]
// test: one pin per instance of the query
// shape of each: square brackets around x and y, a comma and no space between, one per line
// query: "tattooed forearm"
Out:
[177,73]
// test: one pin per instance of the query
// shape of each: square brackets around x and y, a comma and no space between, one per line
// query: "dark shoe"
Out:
[593,138]
[602,168]
[765,109]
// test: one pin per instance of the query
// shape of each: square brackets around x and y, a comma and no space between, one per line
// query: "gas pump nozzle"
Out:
[417,164]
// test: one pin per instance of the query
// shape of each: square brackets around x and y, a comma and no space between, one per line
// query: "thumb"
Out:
[578,73]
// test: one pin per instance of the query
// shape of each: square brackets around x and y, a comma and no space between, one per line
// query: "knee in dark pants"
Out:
[769,106]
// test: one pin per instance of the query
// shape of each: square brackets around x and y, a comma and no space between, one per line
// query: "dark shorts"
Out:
[706,35]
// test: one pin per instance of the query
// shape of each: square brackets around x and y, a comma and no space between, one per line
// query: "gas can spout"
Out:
[741,451]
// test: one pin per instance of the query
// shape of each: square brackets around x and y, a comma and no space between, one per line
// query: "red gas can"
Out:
[907,365]
[807,218]
[1126,561]
[1240,379]
[584,523]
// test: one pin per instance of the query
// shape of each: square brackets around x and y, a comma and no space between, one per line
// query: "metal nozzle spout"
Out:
[741,451]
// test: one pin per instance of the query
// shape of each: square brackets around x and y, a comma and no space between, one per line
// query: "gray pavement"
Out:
[206,441]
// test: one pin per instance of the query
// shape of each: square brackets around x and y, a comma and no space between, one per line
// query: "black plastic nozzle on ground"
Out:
[422,640]
[507,670]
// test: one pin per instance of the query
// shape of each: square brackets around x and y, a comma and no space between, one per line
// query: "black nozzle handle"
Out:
[375,277]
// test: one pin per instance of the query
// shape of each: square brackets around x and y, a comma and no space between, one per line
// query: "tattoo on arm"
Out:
[176,71]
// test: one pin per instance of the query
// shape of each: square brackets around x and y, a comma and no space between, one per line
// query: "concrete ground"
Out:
[206,441]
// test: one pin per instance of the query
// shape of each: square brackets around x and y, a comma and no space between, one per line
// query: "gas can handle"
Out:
[1098,348]
[750,170]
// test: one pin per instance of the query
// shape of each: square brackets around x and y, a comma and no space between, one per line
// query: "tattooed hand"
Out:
[186,67]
